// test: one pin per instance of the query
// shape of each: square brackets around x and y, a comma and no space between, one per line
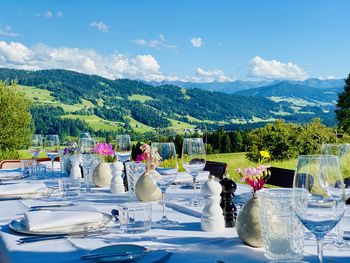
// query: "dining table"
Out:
[187,242]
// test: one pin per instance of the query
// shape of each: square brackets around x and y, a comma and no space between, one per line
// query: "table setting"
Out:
[52,218]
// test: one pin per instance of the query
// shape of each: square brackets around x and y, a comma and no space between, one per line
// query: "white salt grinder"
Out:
[212,215]
[117,184]
[75,172]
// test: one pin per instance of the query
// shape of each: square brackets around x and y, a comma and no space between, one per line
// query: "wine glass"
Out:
[123,147]
[193,160]
[36,146]
[88,159]
[342,150]
[165,173]
[52,144]
[318,195]
[84,135]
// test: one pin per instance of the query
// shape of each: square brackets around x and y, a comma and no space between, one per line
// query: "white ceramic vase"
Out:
[102,175]
[146,190]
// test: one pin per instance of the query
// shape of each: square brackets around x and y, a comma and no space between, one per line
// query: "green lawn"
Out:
[140,98]
[95,122]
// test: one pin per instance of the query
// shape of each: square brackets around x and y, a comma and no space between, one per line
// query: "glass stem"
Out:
[194,186]
[52,163]
[87,180]
[163,200]
[320,249]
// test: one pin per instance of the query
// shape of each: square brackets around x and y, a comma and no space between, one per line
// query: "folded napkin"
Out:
[45,219]
[21,188]
[10,173]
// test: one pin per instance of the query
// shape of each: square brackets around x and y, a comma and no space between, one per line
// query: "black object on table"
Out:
[229,209]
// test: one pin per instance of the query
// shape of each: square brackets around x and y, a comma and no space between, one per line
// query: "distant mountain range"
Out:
[119,105]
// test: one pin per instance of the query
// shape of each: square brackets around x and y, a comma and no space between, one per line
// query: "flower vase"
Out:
[75,171]
[146,190]
[248,223]
[102,175]
[117,183]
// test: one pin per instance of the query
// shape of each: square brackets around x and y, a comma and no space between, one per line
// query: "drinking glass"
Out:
[193,160]
[164,174]
[343,153]
[52,144]
[88,159]
[84,135]
[123,147]
[318,195]
[36,145]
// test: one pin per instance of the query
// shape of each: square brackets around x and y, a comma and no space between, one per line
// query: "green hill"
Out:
[114,105]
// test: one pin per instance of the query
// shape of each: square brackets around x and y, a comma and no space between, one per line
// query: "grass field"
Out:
[95,122]
[140,98]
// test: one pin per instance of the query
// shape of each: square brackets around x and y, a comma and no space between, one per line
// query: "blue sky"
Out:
[187,40]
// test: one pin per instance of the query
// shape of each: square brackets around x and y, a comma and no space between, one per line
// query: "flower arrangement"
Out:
[69,150]
[255,176]
[152,158]
[105,150]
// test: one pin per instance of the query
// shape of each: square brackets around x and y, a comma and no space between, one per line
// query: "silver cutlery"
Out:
[127,254]
[38,207]
[33,239]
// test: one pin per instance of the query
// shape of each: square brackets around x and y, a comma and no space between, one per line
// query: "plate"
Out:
[19,227]
[120,248]
[15,174]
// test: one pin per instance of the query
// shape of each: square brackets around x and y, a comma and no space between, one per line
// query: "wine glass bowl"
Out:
[36,145]
[88,159]
[193,160]
[165,173]
[318,195]
[123,147]
[52,145]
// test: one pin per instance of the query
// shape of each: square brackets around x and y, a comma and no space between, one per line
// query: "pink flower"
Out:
[255,177]
[105,149]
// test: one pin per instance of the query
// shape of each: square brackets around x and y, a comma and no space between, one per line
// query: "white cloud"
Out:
[59,13]
[48,14]
[273,69]
[156,43]
[211,75]
[100,26]
[196,41]
[113,66]
[7,31]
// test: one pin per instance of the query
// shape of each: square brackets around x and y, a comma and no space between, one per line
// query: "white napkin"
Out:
[10,173]
[44,219]
[21,188]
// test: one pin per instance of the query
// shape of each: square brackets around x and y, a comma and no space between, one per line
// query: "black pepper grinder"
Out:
[227,205]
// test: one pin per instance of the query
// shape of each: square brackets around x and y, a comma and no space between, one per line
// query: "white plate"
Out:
[14,174]
[19,227]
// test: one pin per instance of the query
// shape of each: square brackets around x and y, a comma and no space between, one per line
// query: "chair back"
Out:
[217,169]
[280,177]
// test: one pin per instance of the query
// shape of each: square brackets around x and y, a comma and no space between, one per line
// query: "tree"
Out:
[343,107]
[15,121]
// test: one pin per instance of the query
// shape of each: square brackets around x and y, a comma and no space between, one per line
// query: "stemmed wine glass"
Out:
[318,195]
[123,147]
[193,160]
[36,146]
[166,171]
[52,144]
[342,150]
[88,159]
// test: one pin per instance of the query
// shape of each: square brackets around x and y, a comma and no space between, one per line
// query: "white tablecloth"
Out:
[187,241]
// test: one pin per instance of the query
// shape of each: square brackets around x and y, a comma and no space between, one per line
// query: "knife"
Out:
[59,236]
[127,254]
[38,207]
